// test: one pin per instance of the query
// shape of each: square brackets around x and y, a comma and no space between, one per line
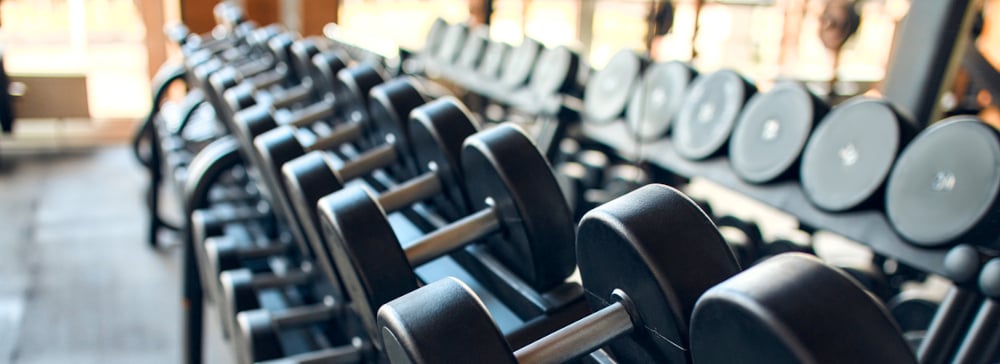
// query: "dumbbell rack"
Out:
[868,227]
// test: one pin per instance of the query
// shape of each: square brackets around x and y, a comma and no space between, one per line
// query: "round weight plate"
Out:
[850,154]
[655,103]
[325,68]
[259,336]
[771,132]
[493,58]
[308,179]
[708,113]
[945,183]
[472,51]
[520,63]
[555,71]
[503,166]
[437,131]
[451,44]
[793,309]
[609,89]
[352,90]
[435,36]
[655,245]
[369,258]
[302,53]
[442,322]
[275,147]
[390,105]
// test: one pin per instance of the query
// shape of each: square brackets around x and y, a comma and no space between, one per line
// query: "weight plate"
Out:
[656,246]
[308,179]
[451,43]
[555,71]
[302,53]
[771,132]
[609,89]
[472,51]
[353,87]
[435,36]
[493,59]
[945,184]
[709,112]
[503,167]
[437,131]
[794,309]
[655,103]
[414,327]
[851,153]
[325,68]
[520,63]
[390,105]
[369,258]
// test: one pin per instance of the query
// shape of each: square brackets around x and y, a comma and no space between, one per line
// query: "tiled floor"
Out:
[78,283]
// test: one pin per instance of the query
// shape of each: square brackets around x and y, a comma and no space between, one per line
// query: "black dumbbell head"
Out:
[503,167]
[768,138]
[258,335]
[794,309]
[351,91]
[365,251]
[325,66]
[946,184]
[412,329]
[437,131]
[711,107]
[657,247]
[658,98]
[389,106]
[609,89]
[850,154]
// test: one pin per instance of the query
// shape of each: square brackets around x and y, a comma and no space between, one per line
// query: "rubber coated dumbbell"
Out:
[260,330]
[293,70]
[516,200]
[710,110]
[241,289]
[437,131]
[655,103]
[793,308]
[636,255]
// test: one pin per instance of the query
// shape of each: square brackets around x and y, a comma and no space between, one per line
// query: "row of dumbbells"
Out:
[861,154]
[428,146]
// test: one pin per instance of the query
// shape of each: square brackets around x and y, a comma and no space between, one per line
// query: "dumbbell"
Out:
[259,332]
[472,50]
[945,185]
[516,200]
[241,288]
[710,110]
[556,71]
[636,257]
[519,63]
[982,342]
[494,57]
[793,308]
[435,36]
[451,44]
[655,103]
[849,156]
[962,266]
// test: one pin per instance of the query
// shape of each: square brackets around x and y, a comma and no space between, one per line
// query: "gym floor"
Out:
[78,283]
